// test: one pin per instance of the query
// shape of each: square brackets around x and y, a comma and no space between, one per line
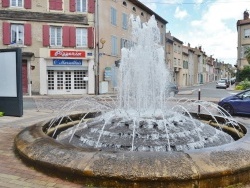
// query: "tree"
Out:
[247,53]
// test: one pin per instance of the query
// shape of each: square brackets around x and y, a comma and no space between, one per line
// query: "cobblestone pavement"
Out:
[14,173]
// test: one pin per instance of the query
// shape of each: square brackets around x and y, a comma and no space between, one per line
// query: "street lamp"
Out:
[99,45]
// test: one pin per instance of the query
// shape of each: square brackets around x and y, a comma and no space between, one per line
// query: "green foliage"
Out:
[247,53]
[239,87]
[1,114]
[244,73]
[243,85]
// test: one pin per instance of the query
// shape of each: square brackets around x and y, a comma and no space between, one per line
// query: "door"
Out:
[24,77]
[67,82]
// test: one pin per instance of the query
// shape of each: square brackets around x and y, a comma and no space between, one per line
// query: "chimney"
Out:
[246,15]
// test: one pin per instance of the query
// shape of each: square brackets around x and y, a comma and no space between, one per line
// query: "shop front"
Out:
[67,72]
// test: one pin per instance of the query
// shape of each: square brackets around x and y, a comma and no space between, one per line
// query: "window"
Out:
[125,43]
[247,33]
[113,16]
[114,46]
[81,37]
[134,9]
[17,34]
[55,4]
[124,3]
[55,36]
[16,3]
[81,5]
[124,21]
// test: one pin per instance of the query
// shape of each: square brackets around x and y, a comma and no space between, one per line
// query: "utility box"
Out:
[103,87]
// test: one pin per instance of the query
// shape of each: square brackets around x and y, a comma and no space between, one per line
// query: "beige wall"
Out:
[36,25]
[242,44]
[107,30]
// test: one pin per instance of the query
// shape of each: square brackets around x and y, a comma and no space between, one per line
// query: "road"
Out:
[207,90]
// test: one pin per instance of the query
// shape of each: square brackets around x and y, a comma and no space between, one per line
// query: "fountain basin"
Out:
[209,167]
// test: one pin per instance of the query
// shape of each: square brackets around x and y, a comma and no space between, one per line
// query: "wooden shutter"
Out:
[27,34]
[58,5]
[91,37]
[45,35]
[5,3]
[52,4]
[27,4]
[65,36]
[6,33]
[72,5]
[72,37]
[91,6]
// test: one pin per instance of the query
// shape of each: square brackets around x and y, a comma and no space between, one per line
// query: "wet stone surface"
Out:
[148,134]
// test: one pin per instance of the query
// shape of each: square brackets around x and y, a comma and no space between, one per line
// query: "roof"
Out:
[243,22]
[148,10]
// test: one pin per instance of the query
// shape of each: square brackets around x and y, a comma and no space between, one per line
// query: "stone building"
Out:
[57,42]
[243,28]
[114,27]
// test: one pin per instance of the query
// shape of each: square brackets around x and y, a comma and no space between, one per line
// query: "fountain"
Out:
[142,138]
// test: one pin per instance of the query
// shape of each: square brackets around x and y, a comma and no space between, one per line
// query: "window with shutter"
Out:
[5,3]
[16,3]
[6,33]
[91,6]
[45,35]
[114,50]
[27,35]
[55,36]
[72,37]
[17,34]
[91,37]
[81,5]
[66,36]
[81,37]
[55,5]
[27,4]
[72,5]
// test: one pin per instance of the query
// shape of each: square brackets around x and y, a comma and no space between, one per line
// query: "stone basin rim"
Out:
[35,146]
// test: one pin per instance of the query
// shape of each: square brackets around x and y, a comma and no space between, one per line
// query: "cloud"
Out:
[180,14]
[216,30]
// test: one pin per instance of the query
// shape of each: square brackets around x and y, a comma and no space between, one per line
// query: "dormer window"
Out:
[134,9]
[124,3]
[142,14]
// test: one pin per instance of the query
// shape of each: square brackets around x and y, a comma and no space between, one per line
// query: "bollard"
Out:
[199,98]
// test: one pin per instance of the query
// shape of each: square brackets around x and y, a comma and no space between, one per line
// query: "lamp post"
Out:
[97,75]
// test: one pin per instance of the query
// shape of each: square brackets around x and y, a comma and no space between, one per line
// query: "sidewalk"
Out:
[14,173]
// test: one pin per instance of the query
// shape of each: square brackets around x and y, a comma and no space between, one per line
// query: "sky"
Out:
[207,23]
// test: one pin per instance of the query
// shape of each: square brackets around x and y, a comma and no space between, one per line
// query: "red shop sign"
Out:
[64,53]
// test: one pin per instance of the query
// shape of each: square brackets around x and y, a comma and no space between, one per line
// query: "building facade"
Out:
[243,29]
[114,27]
[57,42]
